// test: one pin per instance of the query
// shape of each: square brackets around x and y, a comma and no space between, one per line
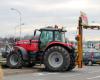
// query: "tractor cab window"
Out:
[59,36]
[45,38]
[36,36]
[63,39]
[49,36]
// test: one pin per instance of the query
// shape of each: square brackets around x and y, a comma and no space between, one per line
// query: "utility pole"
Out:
[19,19]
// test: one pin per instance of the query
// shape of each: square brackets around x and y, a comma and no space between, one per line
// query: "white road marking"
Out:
[43,74]
[40,74]
[94,77]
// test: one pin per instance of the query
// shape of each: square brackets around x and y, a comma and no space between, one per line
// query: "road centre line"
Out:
[43,74]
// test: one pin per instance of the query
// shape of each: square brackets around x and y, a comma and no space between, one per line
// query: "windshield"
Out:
[36,35]
[59,36]
[32,37]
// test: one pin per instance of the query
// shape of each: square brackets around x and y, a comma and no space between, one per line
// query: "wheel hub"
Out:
[55,59]
[14,59]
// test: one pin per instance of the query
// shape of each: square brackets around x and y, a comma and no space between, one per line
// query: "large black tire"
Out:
[73,57]
[56,59]
[72,63]
[14,60]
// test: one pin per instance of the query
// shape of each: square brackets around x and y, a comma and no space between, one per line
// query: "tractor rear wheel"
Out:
[57,59]
[72,64]
[14,60]
[73,57]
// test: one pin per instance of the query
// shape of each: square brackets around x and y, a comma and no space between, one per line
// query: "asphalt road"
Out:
[86,73]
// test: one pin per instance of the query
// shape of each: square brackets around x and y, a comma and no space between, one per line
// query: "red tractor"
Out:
[48,47]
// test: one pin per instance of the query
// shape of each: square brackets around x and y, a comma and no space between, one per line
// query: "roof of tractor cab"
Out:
[50,28]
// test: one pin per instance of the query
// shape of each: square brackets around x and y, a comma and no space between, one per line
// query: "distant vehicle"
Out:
[91,56]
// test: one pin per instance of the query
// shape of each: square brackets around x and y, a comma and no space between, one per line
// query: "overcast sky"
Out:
[41,13]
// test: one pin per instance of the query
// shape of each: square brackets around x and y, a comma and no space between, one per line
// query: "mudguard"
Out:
[23,52]
[67,46]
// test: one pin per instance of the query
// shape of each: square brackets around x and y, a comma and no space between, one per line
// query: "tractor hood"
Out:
[28,45]
[25,42]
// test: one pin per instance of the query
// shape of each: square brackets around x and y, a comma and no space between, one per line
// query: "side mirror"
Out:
[30,41]
[34,32]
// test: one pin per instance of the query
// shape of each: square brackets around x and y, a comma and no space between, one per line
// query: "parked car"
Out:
[91,56]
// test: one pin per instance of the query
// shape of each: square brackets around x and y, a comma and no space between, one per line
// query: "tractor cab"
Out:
[42,38]
[49,34]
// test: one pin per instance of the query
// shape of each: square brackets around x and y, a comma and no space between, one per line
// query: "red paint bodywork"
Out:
[56,42]
[34,45]
[29,46]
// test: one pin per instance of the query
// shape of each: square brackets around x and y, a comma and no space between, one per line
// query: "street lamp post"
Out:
[19,18]
[15,29]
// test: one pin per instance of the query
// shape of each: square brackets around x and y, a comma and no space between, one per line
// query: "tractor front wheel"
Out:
[57,59]
[14,60]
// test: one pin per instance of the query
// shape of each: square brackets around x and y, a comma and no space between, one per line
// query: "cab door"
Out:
[45,38]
